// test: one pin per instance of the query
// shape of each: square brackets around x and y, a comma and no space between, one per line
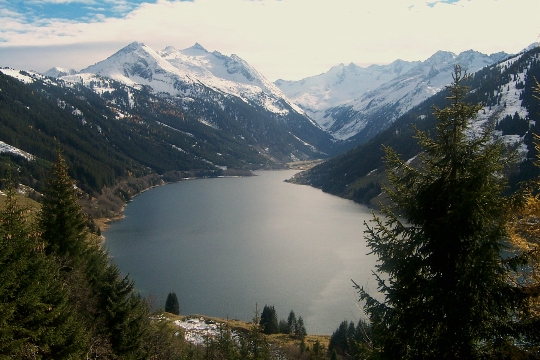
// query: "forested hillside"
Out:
[359,173]
[106,138]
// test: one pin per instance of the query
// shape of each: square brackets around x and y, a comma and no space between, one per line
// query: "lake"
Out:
[224,245]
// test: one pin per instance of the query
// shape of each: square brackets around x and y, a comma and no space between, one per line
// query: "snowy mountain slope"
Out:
[355,102]
[231,75]
[219,91]
[340,85]
[505,89]
[190,71]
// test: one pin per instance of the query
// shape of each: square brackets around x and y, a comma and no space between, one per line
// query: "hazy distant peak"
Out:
[133,46]
[195,49]
[532,46]
[57,72]
[441,57]
[169,49]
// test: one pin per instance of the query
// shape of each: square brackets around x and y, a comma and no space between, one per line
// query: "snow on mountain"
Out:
[230,75]
[6,148]
[340,84]
[187,72]
[350,100]
[23,76]
[57,72]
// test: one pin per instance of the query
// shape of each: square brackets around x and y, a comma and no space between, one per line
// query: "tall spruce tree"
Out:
[171,304]
[524,235]
[116,317]
[440,246]
[63,224]
[36,319]
[291,323]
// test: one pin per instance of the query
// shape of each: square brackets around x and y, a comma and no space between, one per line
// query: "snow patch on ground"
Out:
[12,149]
[198,330]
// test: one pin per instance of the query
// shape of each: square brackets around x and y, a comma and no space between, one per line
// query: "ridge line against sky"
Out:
[287,39]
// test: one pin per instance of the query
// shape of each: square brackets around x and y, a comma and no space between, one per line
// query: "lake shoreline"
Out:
[233,240]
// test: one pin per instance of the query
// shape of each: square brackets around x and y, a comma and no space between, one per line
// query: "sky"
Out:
[282,39]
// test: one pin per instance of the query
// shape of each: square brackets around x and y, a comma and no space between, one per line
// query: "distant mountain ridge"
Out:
[506,91]
[354,103]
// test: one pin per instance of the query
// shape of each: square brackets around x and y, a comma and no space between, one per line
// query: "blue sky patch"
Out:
[72,10]
[432,4]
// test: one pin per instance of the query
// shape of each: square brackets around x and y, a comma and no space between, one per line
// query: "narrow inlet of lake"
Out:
[224,245]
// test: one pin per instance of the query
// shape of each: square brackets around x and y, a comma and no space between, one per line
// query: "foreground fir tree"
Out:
[63,224]
[37,320]
[116,318]
[445,288]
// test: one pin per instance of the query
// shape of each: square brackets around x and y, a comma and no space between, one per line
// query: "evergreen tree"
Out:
[291,322]
[63,225]
[123,313]
[36,320]
[171,304]
[446,295]
[116,317]
[283,327]
[300,329]
[269,320]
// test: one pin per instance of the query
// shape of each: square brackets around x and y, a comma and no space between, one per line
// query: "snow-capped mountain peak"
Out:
[137,64]
[187,71]
[350,100]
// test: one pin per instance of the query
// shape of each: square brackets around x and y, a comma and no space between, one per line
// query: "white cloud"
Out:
[298,38]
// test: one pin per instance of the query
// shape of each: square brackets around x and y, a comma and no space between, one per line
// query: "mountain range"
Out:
[349,103]
[506,90]
[355,103]
[191,109]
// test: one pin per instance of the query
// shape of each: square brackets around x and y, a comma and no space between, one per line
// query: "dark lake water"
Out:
[224,245]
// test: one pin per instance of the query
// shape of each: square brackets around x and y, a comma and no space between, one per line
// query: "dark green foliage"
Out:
[254,345]
[36,317]
[115,317]
[171,304]
[349,340]
[300,329]
[63,225]
[269,320]
[513,125]
[283,327]
[291,322]
[441,271]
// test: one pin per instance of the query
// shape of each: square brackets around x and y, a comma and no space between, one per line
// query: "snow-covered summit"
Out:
[229,74]
[138,64]
[350,99]
[187,71]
